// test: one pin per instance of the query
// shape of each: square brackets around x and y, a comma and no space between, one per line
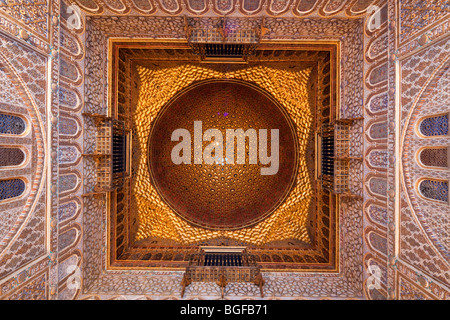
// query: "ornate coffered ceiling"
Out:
[391,74]
[302,228]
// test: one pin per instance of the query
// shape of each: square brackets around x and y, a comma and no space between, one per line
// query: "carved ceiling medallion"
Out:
[238,149]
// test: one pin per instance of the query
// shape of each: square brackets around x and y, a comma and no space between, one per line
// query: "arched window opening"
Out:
[11,188]
[434,157]
[10,124]
[11,157]
[434,126]
[434,189]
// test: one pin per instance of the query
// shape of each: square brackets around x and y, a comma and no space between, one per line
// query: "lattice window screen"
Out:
[11,156]
[342,140]
[435,157]
[435,126]
[341,172]
[434,189]
[104,173]
[11,188]
[10,124]
[103,141]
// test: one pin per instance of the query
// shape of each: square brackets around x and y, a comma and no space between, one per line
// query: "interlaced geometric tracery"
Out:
[10,124]
[11,188]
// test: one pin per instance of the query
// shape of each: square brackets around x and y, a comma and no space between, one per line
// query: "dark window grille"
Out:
[11,156]
[221,260]
[435,157]
[327,155]
[223,50]
[119,153]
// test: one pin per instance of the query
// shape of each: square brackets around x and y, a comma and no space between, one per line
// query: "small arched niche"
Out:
[11,124]
[11,157]
[434,126]
[436,190]
[11,188]
[434,157]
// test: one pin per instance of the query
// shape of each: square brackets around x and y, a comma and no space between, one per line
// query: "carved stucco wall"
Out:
[41,80]
[419,49]
[406,231]
[166,284]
